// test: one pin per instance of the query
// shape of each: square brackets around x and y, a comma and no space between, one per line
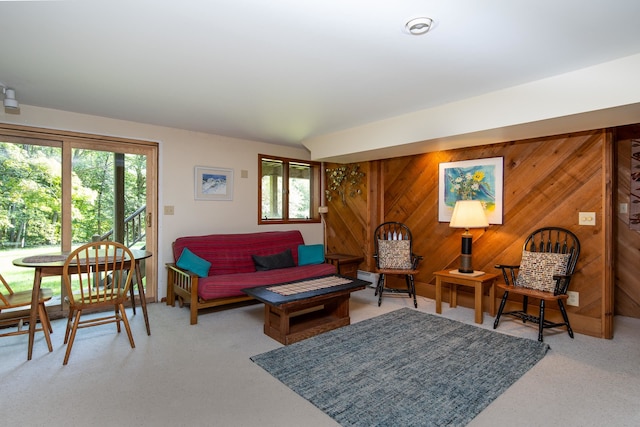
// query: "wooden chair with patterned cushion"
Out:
[97,276]
[394,255]
[22,299]
[549,258]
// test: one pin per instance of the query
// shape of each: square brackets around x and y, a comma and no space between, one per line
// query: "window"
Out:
[288,191]
[61,189]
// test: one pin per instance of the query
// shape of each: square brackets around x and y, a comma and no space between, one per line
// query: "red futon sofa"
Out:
[212,270]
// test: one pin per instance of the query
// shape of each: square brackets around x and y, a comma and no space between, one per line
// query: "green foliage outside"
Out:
[31,194]
[21,279]
[30,186]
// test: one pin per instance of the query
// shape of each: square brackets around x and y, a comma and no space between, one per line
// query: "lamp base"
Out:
[465,256]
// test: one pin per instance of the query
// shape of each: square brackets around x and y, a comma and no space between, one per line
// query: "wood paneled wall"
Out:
[627,289]
[547,181]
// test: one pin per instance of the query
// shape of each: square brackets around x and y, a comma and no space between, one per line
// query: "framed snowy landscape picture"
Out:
[213,183]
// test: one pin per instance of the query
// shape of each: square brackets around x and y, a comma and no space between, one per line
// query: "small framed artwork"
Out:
[479,179]
[213,183]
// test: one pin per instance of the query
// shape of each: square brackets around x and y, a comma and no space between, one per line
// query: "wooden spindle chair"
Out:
[97,275]
[549,258]
[394,256]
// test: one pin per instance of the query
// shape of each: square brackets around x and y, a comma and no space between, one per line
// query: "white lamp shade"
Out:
[468,214]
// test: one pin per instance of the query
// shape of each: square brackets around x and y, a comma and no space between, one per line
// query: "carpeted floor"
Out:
[403,368]
[202,375]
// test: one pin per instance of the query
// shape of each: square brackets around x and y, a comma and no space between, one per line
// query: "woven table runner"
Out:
[309,285]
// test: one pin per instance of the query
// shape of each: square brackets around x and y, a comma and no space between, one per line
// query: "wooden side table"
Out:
[347,264]
[476,282]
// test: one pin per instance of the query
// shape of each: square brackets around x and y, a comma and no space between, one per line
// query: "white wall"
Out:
[180,152]
[604,95]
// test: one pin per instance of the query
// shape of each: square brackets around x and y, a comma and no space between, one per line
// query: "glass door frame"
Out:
[68,141]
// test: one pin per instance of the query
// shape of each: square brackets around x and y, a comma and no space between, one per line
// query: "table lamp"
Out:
[467,214]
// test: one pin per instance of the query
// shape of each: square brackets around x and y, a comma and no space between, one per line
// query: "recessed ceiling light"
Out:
[419,26]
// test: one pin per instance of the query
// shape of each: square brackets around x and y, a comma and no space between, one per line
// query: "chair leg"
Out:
[48,320]
[411,285]
[411,288]
[502,304]
[541,320]
[407,282]
[46,326]
[565,317]
[131,290]
[118,317]
[69,323]
[525,303]
[380,288]
[125,320]
[72,337]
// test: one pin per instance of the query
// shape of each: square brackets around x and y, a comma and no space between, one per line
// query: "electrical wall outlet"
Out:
[574,298]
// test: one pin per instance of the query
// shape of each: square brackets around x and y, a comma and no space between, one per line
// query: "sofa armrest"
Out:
[183,284]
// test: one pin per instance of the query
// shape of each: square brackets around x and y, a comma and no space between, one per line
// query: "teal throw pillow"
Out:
[192,262]
[310,254]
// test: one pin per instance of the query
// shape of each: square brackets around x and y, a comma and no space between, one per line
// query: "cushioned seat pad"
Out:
[229,285]
[232,253]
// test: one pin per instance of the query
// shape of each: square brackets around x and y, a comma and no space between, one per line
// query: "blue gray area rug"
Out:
[404,368]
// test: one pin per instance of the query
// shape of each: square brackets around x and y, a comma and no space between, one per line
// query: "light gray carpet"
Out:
[403,368]
[202,375]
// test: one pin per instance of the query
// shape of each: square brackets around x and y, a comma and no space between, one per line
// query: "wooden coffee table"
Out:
[302,309]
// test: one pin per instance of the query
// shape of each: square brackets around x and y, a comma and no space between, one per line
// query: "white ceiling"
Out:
[283,71]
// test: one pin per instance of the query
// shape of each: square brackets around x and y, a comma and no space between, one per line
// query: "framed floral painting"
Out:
[479,179]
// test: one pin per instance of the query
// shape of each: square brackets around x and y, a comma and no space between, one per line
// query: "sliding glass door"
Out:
[110,200]
[58,193]
[30,208]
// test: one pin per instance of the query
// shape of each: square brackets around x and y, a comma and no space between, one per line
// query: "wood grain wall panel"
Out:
[627,280]
[547,181]
[346,224]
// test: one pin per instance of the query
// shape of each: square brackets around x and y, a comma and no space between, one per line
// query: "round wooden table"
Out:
[51,264]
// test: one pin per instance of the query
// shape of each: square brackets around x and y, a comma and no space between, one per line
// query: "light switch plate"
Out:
[587,218]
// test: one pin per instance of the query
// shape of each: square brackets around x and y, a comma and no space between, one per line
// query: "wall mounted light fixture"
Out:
[10,102]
